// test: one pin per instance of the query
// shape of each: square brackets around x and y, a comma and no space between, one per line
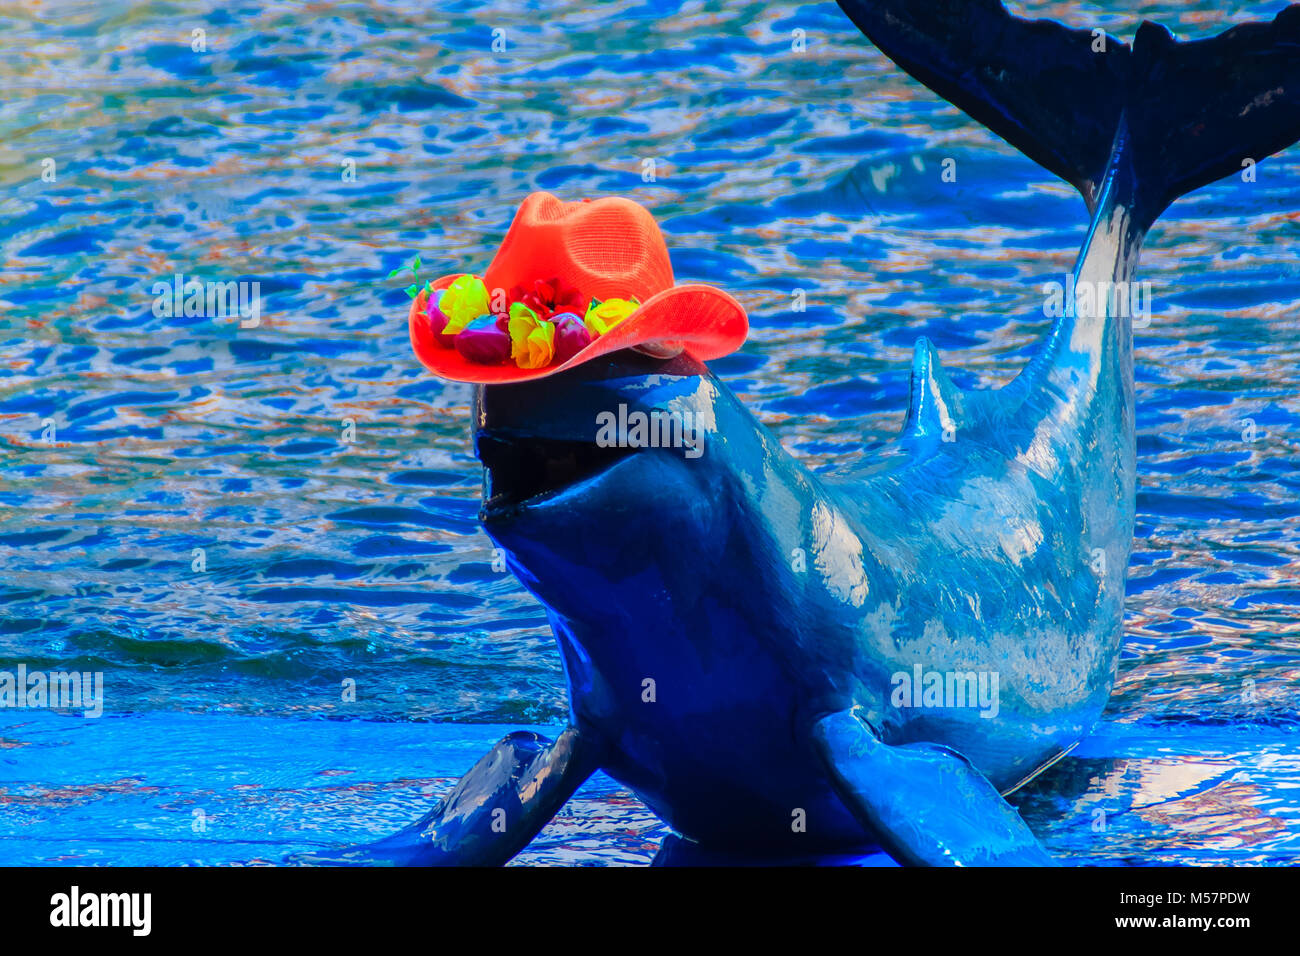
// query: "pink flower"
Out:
[438,320]
[484,341]
[571,336]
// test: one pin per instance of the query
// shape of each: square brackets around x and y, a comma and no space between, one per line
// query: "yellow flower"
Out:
[462,302]
[603,316]
[532,340]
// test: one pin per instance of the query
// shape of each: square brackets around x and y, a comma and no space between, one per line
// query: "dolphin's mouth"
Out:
[521,470]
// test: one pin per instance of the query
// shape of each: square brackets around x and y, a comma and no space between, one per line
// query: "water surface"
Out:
[789,160]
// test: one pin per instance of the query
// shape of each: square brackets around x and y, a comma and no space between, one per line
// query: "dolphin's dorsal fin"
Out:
[936,404]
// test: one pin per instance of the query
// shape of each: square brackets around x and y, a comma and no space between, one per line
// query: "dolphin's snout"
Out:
[522,469]
[537,438]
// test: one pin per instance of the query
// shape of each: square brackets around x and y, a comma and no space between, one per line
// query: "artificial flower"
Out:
[571,336]
[546,297]
[438,320]
[532,339]
[485,340]
[603,316]
[462,302]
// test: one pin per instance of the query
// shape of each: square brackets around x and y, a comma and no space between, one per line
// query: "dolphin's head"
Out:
[627,474]
[613,471]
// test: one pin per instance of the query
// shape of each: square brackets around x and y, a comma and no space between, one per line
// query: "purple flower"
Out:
[571,336]
[484,341]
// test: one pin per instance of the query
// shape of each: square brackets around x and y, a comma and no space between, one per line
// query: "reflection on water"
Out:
[180,507]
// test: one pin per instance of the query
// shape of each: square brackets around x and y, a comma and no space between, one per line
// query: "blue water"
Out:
[130,440]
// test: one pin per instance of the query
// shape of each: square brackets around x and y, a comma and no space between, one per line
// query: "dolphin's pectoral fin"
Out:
[925,803]
[493,812]
[935,401]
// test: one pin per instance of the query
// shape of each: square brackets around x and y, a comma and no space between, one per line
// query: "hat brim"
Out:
[699,319]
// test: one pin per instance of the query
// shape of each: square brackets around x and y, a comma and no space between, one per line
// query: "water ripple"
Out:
[238,519]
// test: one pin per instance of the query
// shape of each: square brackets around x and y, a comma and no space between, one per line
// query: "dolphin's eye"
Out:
[520,467]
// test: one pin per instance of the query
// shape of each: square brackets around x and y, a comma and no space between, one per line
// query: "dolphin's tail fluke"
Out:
[1195,111]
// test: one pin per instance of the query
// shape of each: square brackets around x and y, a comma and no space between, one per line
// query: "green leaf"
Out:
[415,265]
[396,271]
[412,290]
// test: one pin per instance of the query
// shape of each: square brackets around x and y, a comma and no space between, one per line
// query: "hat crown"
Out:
[606,248]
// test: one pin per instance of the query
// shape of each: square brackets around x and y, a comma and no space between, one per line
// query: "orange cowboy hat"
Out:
[574,257]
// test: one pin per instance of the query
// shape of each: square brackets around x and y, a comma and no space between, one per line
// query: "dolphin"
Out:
[786,665]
